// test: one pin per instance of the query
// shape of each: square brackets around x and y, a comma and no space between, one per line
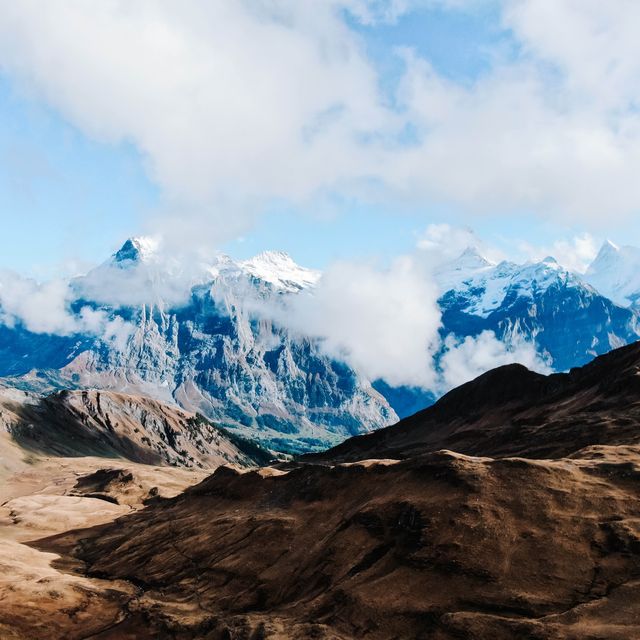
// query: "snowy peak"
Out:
[471,258]
[615,272]
[135,250]
[608,251]
[279,269]
[483,287]
[454,273]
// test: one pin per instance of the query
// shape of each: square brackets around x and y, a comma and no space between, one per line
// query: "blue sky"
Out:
[80,170]
[63,196]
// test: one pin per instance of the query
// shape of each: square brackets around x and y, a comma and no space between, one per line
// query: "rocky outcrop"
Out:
[115,425]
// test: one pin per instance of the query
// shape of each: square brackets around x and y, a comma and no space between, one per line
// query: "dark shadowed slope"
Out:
[442,546]
[511,411]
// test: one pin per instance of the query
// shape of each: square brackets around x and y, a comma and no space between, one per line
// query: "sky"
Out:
[331,129]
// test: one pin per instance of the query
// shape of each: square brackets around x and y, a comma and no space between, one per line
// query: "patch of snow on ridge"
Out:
[278,269]
[454,273]
[485,286]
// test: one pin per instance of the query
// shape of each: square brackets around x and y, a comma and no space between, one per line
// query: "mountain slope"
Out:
[541,303]
[511,411]
[115,425]
[194,337]
[203,335]
[439,545]
[615,272]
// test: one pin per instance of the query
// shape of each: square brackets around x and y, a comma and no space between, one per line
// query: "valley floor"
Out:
[39,498]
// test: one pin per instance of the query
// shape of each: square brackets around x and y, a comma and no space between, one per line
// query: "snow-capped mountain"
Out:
[616,273]
[568,319]
[454,273]
[191,337]
[190,333]
[280,271]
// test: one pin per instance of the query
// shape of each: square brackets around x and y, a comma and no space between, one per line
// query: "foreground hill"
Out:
[79,459]
[502,544]
[116,425]
[440,546]
[512,411]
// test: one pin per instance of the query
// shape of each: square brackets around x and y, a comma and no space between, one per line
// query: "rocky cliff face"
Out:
[196,340]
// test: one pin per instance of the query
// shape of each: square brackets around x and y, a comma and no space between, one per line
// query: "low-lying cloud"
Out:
[383,322]
[46,308]
[466,358]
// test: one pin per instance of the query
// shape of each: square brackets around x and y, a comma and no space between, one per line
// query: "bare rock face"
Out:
[196,339]
[216,341]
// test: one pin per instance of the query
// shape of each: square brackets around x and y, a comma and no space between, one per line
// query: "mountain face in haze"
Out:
[616,273]
[193,337]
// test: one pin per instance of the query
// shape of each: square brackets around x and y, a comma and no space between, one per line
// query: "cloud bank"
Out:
[466,359]
[46,308]
[384,321]
[236,104]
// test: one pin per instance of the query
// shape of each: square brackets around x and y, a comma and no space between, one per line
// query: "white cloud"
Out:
[230,102]
[236,103]
[466,359]
[593,44]
[443,242]
[42,308]
[45,308]
[575,254]
[383,322]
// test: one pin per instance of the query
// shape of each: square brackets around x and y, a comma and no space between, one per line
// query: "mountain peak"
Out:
[610,256]
[608,251]
[135,249]
[615,273]
[471,256]
[273,257]
[279,269]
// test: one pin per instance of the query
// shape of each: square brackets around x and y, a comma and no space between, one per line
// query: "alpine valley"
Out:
[196,337]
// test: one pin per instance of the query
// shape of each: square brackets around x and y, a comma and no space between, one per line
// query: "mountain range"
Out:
[193,337]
